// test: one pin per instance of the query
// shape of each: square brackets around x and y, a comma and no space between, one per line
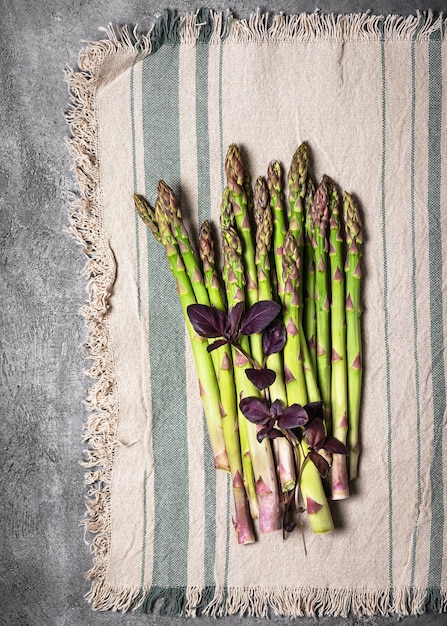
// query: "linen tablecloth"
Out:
[368,94]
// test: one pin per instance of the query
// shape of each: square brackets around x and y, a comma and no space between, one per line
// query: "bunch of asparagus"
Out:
[276,338]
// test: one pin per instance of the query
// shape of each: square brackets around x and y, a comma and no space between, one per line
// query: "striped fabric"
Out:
[368,94]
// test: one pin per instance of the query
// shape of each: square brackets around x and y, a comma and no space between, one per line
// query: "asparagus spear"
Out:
[237,182]
[354,240]
[263,221]
[242,520]
[309,319]
[339,400]
[259,452]
[264,231]
[209,389]
[275,186]
[147,214]
[293,359]
[297,180]
[320,217]
[174,217]
[311,486]
[234,281]
[207,255]
[237,185]
[313,391]
[233,270]
[277,391]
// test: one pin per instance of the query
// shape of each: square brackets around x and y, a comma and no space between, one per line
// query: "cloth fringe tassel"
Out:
[100,62]
[266,602]
[207,26]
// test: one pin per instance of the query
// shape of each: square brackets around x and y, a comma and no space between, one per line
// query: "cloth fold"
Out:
[368,94]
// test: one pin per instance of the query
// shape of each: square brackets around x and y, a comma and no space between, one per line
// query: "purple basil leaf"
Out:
[321,464]
[315,434]
[274,337]
[335,446]
[268,431]
[274,433]
[207,321]
[276,409]
[234,318]
[261,379]
[256,410]
[314,409]
[216,344]
[297,433]
[259,316]
[263,433]
[292,417]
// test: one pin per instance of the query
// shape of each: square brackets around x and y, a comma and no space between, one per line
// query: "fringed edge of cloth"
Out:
[267,602]
[99,62]
[85,218]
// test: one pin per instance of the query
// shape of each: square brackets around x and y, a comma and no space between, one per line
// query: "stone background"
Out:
[43,555]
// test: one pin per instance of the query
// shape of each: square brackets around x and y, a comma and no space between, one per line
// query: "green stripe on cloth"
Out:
[204,213]
[143,550]
[414,302]
[167,342]
[386,324]
[436,314]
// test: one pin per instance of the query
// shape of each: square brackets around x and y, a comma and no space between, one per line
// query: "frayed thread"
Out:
[266,602]
[214,27]
[304,602]
[330,27]
[85,219]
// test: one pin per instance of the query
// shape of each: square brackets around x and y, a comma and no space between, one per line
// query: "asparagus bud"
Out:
[297,180]
[172,210]
[147,214]
[275,186]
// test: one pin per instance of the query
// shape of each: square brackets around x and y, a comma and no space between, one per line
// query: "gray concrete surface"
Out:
[42,551]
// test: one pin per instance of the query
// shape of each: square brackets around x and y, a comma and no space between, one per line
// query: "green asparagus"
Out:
[229,404]
[275,186]
[277,391]
[292,254]
[339,400]
[297,180]
[309,315]
[260,454]
[320,216]
[209,389]
[354,240]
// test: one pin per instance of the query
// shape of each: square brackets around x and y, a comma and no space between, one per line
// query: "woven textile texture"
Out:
[368,93]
